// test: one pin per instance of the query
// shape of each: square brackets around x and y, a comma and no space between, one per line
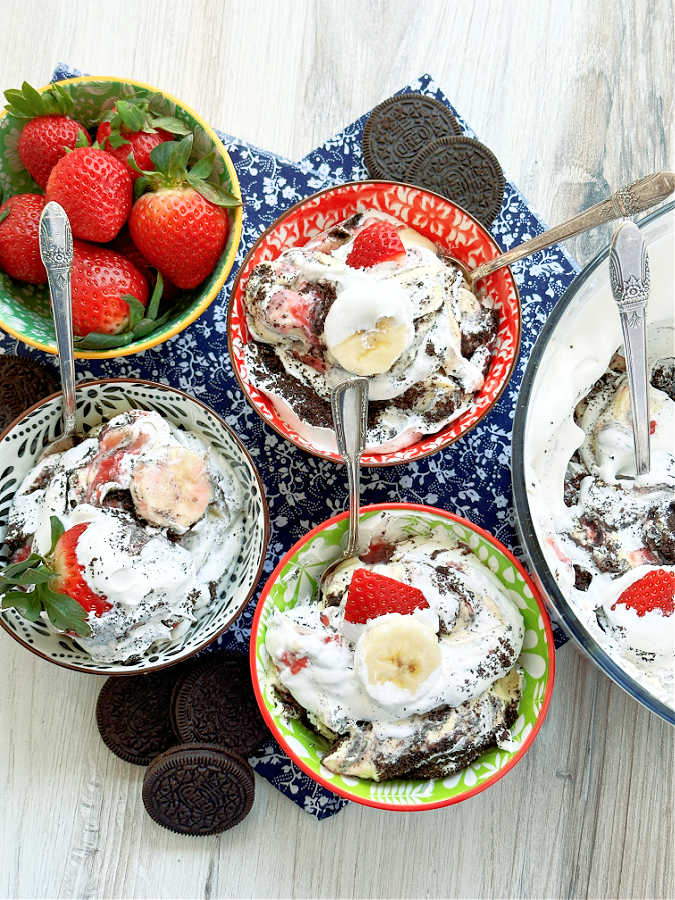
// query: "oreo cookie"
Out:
[215,704]
[23,382]
[463,170]
[198,789]
[132,714]
[399,128]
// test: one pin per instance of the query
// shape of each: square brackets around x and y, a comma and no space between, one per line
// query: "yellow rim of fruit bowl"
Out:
[226,264]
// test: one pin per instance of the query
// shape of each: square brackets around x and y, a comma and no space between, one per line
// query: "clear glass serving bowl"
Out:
[581,301]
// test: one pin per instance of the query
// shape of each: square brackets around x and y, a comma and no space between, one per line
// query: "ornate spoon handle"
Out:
[629,277]
[636,198]
[56,250]
[349,401]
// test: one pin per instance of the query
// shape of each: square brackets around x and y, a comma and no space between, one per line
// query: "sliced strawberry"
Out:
[375,244]
[656,590]
[372,595]
[69,573]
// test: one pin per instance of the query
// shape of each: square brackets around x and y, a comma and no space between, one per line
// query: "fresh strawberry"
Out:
[69,573]
[95,190]
[181,226]
[655,590]
[49,130]
[19,238]
[372,595]
[100,280]
[57,582]
[124,245]
[377,243]
[131,127]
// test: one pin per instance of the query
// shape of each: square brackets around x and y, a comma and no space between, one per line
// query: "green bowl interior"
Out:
[299,582]
[25,307]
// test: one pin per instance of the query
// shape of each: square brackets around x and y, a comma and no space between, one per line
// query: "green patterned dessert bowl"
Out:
[24,307]
[134,545]
[421,672]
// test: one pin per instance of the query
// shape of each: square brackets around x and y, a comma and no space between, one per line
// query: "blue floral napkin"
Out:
[471,478]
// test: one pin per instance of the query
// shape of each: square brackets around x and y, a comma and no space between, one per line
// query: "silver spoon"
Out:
[56,251]
[629,277]
[629,201]
[349,402]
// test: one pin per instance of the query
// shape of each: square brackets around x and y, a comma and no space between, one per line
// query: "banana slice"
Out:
[369,326]
[173,492]
[374,351]
[411,238]
[398,650]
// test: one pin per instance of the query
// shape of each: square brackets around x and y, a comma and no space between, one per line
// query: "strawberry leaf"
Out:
[57,530]
[81,139]
[24,602]
[142,183]
[204,166]
[146,326]
[98,341]
[178,159]
[136,310]
[64,613]
[131,115]
[19,568]
[39,575]
[157,291]
[213,193]
[116,140]
[170,124]
[161,156]
[4,214]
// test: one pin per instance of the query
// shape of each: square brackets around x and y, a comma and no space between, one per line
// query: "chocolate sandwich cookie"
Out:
[215,704]
[23,382]
[399,128]
[132,714]
[463,170]
[198,789]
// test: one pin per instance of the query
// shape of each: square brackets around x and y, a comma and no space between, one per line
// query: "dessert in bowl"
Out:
[599,538]
[24,306]
[150,530]
[358,279]
[423,672]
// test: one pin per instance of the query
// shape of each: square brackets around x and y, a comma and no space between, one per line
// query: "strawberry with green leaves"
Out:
[95,190]
[110,299]
[19,238]
[181,225]
[49,130]
[57,584]
[130,127]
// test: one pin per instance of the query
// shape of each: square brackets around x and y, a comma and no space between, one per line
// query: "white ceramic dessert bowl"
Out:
[98,401]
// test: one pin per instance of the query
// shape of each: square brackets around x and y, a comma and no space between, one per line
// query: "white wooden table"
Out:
[576,99]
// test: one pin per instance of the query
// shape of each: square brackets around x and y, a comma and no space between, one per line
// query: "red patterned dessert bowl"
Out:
[359,279]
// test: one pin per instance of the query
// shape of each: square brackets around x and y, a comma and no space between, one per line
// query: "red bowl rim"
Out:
[322,454]
[269,721]
[88,670]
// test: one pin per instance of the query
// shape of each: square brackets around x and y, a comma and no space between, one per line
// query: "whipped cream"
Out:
[158,579]
[423,339]
[461,645]
[599,527]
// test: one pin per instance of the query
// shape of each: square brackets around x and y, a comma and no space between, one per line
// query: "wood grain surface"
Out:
[576,99]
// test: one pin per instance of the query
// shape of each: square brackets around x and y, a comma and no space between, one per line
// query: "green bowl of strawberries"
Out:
[153,201]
